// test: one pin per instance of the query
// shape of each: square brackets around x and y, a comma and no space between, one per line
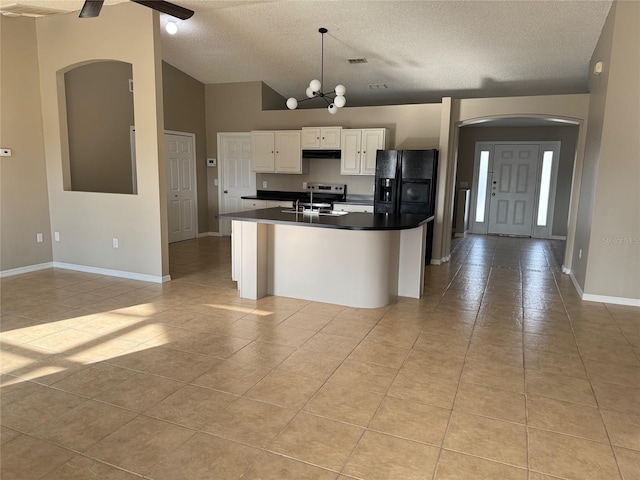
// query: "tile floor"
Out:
[499,372]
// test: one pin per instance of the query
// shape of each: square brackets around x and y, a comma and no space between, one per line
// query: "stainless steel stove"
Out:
[322,196]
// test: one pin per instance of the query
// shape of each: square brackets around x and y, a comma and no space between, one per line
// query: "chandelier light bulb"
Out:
[171,28]
[332,109]
[340,90]
[340,101]
[292,103]
[310,92]
[315,85]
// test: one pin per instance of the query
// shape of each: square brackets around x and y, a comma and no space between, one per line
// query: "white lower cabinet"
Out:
[253,204]
[279,203]
[353,207]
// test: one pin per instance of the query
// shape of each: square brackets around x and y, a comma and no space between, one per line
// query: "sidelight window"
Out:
[545,188]
[483,172]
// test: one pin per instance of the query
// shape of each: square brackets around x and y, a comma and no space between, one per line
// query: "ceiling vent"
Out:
[19,10]
[378,86]
[358,60]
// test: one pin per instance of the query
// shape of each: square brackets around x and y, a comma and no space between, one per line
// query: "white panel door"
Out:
[238,179]
[512,189]
[181,186]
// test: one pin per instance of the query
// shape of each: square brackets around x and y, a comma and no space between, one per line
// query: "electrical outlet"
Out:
[215,182]
[116,244]
[211,162]
[304,185]
[39,237]
[56,236]
[264,184]
[5,152]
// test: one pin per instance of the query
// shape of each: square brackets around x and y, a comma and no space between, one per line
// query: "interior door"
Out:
[238,179]
[181,186]
[512,189]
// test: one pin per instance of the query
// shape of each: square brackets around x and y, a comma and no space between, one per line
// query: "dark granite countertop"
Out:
[277,195]
[351,221]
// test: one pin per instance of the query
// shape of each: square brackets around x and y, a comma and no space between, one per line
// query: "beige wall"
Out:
[566,135]
[183,98]
[99,111]
[87,222]
[612,253]
[237,108]
[23,183]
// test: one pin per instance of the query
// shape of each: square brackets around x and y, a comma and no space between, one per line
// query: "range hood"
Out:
[321,153]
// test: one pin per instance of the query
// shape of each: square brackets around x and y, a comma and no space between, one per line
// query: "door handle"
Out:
[493,194]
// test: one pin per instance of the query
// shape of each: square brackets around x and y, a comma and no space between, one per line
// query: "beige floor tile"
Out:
[345,404]
[364,376]
[348,328]
[623,428]
[94,379]
[232,377]
[333,345]
[393,335]
[139,392]
[442,344]
[382,457]
[497,336]
[570,457]
[549,362]
[610,353]
[624,375]
[40,406]
[191,406]
[411,420]
[262,354]
[485,352]
[436,391]
[287,336]
[7,434]
[421,363]
[496,375]
[456,466]
[82,468]
[84,425]
[616,397]
[490,402]
[269,466]
[141,444]
[250,422]
[285,389]
[310,364]
[565,417]
[247,329]
[218,345]
[202,323]
[14,389]
[488,438]
[326,309]
[27,458]
[205,456]
[380,354]
[306,320]
[320,441]
[629,463]
[559,387]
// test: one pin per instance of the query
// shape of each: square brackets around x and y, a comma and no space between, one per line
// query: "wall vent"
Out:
[378,86]
[20,10]
[358,60]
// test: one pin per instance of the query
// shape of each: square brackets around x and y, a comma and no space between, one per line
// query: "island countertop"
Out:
[350,221]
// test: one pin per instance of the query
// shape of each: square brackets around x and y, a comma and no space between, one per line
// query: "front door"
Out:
[181,186]
[237,178]
[512,189]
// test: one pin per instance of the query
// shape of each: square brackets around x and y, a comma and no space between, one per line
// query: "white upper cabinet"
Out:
[321,138]
[276,151]
[359,147]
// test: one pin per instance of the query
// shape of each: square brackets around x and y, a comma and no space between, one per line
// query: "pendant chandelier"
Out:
[335,99]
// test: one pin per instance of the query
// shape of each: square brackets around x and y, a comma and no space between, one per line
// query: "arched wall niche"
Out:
[96,118]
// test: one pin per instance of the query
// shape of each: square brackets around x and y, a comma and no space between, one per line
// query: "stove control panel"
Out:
[334,188]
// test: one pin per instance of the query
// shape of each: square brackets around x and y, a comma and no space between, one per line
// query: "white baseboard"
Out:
[209,234]
[440,261]
[29,268]
[566,270]
[589,297]
[113,273]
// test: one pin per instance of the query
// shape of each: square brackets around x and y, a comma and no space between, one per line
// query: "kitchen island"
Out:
[357,259]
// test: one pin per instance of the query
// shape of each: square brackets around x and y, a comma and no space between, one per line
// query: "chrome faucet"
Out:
[311,200]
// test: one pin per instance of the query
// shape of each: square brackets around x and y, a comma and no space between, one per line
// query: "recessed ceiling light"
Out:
[171,28]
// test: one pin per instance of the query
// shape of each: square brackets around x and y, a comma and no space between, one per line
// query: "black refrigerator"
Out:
[406,183]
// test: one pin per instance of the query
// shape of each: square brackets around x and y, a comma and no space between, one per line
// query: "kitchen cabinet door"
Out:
[372,141]
[321,138]
[253,204]
[288,156]
[350,158]
[263,147]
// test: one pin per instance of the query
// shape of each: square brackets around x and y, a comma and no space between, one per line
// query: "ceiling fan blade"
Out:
[167,7]
[91,8]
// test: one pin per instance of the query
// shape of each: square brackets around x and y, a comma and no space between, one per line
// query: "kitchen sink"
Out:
[328,213]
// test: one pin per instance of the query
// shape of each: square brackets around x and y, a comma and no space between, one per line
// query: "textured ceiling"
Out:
[422,50]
